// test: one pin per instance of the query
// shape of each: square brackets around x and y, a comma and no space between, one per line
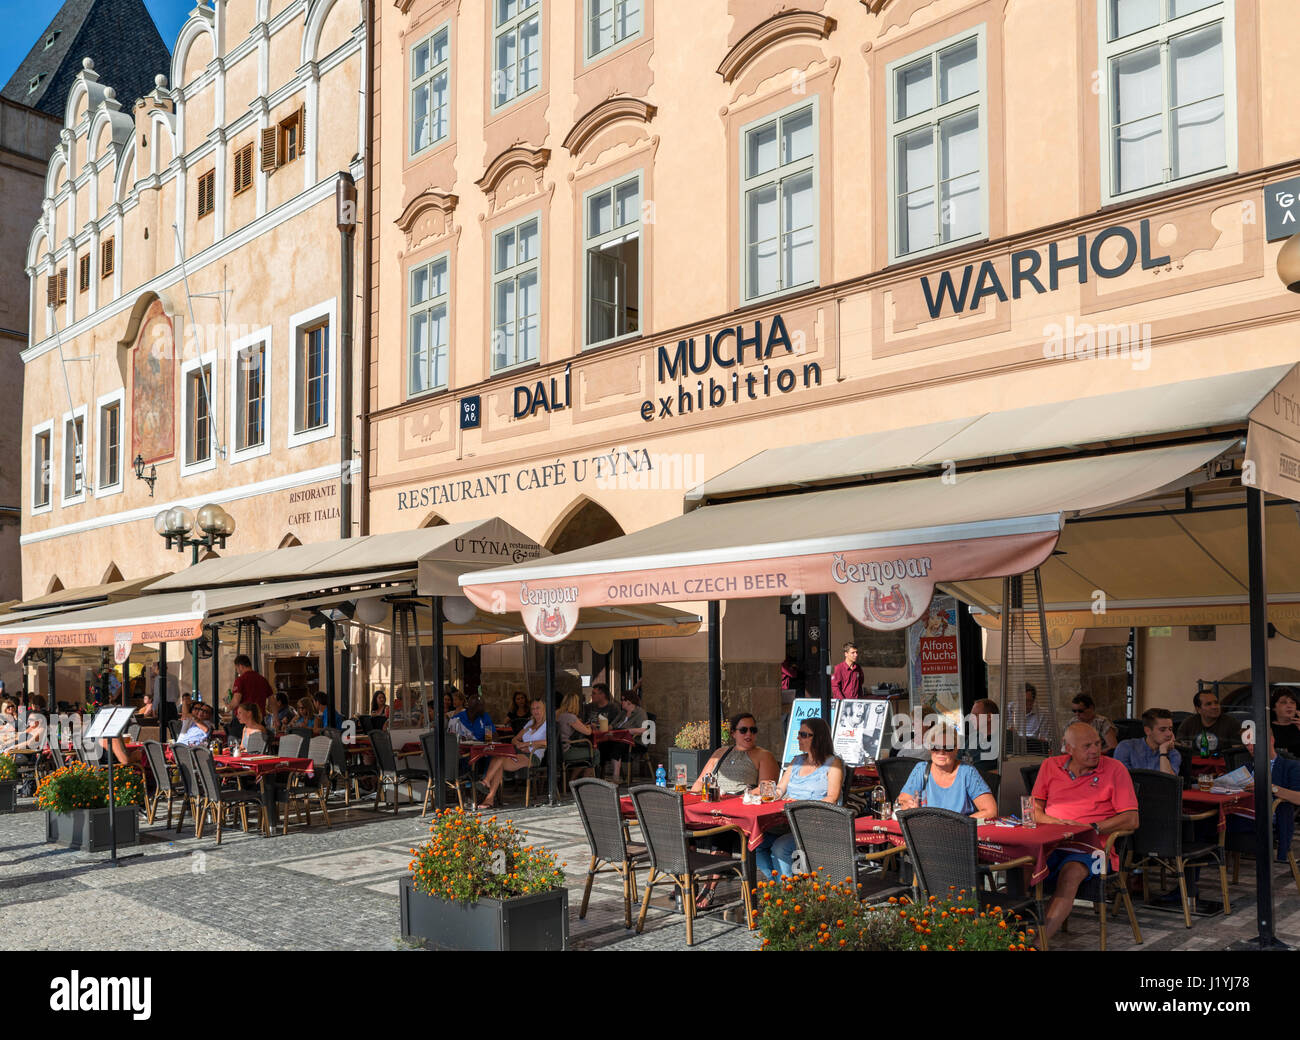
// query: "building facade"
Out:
[623,245]
[187,297]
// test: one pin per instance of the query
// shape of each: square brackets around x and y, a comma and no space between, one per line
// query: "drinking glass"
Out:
[1027,811]
[679,784]
[767,791]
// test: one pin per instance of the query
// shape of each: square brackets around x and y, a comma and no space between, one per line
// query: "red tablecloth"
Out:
[1195,801]
[996,844]
[867,773]
[496,749]
[754,820]
[623,736]
[260,765]
[629,810]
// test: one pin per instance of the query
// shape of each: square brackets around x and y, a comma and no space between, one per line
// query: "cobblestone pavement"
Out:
[336,888]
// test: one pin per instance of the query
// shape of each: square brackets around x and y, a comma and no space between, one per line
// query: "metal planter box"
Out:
[8,795]
[536,922]
[87,829]
[693,760]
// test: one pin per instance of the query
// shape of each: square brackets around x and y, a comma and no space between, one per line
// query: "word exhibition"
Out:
[617,463]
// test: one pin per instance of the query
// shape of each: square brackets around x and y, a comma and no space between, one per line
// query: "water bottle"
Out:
[1205,745]
[661,777]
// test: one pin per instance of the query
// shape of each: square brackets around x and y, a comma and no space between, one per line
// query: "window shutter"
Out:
[302,130]
[63,285]
[270,151]
[52,291]
[83,272]
[106,259]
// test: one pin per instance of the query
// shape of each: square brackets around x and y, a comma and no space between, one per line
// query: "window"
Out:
[612,251]
[313,410]
[42,465]
[243,169]
[291,136]
[56,288]
[83,272]
[34,82]
[74,455]
[207,192]
[779,202]
[430,90]
[109,475]
[106,257]
[610,22]
[516,294]
[250,404]
[517,63]
[428,327]
[1168,101]
[937,125]
[199,400]
[49,40]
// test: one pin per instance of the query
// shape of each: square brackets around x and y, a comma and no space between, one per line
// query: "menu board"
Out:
[804,708]
[859,730]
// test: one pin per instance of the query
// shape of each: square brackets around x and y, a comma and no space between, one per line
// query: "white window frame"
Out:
[513,273]
[117,397]
[588,17]
[1224,11]
[298,324]
[781,172]
[193,365]
[236,454]
[413,308]
[43,429]
[513,25]
[895,128]
[427,81]
[80,412]
[614,235]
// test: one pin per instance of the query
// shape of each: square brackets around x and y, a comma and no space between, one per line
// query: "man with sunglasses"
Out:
[1085,710]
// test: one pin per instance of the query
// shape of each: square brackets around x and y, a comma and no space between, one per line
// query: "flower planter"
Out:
[87,829]
[8,795]
[693,760]
[535,922]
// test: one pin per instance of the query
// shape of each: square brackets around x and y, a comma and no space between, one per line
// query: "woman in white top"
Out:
[530,742]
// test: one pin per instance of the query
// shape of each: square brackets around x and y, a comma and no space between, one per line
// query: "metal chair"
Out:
[1161,838]
[611,851]
[162,781]
[893,773]
[192,795]
[944,847]
[1029,774]
[823,833]
[663,825]
[388,770]
[174,728]
[350,772]
[216,797]
[291,746]
[451,774]
[1237,842]
[255,743]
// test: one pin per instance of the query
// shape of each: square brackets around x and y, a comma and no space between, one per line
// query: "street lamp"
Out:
[1288,264]
[175,525]
[151,479]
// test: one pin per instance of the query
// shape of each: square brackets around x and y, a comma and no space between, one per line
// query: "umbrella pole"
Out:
[552,738]
[824,655]
[715,674]
[438,767]
[216,665]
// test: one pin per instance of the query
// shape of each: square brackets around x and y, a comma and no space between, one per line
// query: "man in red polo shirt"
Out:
[1081,787]
[250,687]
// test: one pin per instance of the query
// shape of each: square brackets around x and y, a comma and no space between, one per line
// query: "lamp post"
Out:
[175,525]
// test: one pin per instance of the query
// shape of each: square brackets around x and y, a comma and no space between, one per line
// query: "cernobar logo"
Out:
[102,994]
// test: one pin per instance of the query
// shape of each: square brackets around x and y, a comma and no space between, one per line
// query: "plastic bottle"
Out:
[661,776]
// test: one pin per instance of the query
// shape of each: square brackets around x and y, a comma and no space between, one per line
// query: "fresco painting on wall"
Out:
[153,365]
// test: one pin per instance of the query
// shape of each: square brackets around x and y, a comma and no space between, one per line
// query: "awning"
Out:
[438,554]
[179,616]
[87,596]
[880,547]
[1259,397]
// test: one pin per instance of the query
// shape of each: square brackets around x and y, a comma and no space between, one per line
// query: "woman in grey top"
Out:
[632,719]
[741,765]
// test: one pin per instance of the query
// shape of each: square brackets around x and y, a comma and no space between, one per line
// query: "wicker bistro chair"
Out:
[945,853]
[668,842]
[255,744]
[451,773]
[1237,842]
[1161,837]
[352,773]
[216,798]
[389,772]
[291,746]
[299,792]
[163,783]
[893,774]
[824,834]
[174,728]
[1029,774]
[191,794]
[611,851]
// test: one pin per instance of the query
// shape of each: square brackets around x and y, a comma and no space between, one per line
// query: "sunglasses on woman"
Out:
[805,736]
[746,729]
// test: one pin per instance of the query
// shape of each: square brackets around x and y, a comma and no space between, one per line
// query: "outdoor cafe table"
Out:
[754,821]
[1195,799]
[261,767]
[476,750]
[996,844]
[623,736]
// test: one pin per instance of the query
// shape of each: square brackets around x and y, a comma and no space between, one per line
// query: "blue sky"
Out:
[25,20]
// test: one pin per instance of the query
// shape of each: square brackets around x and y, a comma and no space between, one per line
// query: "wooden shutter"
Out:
[52,290]
[83,272]
[63,286]
[106,258]
[270,149]
[302,129]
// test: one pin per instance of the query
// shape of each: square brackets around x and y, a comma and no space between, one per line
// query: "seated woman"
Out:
[304,716]
[814,775]
[379,704]
[571,727]
[531,744]
[741,765]
[518,715]
[633,720]
[946,783]
[250,718]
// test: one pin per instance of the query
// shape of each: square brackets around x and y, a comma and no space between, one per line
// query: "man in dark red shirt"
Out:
[250,687]
[846,680]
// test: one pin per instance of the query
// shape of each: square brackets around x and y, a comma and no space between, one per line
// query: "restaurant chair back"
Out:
[450,765]
[602,819]
[133,732]
[291,746]
[302,731]
[1029,774]
[1128,729]
[318,750]
[333,733]
[944,851]
[663,826]
[893,773]
[174,728]
[382,745]
[824,834]
[255,744]
[1160,814]
[993,780]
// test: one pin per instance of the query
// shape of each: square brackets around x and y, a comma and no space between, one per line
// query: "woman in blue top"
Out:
[946,783]
[814,776]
